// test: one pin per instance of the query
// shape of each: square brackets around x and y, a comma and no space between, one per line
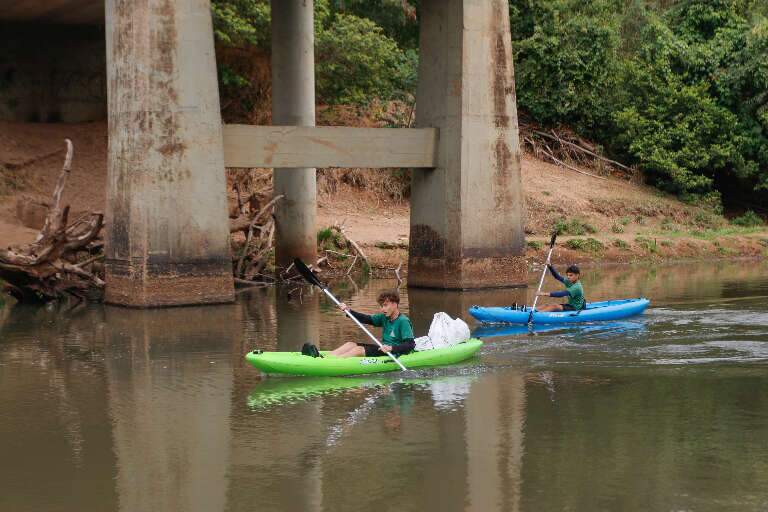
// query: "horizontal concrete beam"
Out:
[328,146]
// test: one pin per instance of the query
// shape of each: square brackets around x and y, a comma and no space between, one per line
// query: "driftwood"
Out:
[570,151]
[358,250]
[54,265]
[253,254]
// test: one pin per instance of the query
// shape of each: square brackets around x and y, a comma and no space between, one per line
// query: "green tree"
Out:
[355,62]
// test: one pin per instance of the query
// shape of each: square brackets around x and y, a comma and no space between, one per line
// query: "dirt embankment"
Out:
[601,220]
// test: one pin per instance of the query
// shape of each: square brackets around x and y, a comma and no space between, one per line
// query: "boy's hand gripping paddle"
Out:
[311,278]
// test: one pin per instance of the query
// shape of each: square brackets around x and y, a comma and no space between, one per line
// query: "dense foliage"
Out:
[677,87]
[680,88]
[355,60]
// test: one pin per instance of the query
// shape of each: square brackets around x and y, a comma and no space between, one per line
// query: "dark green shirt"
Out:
[575,294]
[393,331]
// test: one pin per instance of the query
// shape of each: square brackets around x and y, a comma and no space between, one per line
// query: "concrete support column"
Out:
[168,236]
[466,215]
[293,104]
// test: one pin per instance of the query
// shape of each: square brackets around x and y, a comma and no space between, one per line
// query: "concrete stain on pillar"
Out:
[505,162]
[426,242]
[499,68]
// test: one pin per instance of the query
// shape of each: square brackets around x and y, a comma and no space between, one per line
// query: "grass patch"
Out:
[624,221]
[535,245]
[585,244]
[330,239]
[573,226]
[647,244]
[706,220]
[749,220]
[711,234]
[621,244]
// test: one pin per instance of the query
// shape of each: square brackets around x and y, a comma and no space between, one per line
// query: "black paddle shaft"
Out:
[306,273]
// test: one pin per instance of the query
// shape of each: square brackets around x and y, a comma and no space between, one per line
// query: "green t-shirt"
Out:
[575,294]
[393,331]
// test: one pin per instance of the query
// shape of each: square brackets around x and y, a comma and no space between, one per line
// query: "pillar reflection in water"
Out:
[495,416]
[169,378]
[298,317]
[424,303]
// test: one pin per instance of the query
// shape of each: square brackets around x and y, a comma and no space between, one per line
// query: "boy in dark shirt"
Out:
[573,290]
[397,332]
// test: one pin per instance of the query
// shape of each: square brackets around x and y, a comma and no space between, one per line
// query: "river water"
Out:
[107,408]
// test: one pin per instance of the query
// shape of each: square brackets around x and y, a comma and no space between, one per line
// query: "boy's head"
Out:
[389,300]
[573,273]
[388,296]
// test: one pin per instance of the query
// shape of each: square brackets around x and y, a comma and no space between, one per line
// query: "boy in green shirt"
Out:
[397,332]
[573,291]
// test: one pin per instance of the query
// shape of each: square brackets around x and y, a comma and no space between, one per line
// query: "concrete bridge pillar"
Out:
[293,104]
[466,215]
[168,242]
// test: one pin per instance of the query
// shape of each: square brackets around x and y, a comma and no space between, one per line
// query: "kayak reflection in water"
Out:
[397,331]
[573,291]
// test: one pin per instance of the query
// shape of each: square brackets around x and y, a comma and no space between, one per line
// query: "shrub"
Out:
[330,238]
[585,244]
[535,245]
[574,226]
[648,244]
[748,220]
[621,244]
[616,228]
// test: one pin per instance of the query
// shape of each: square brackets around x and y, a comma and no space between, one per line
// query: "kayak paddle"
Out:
[543,274]
[311,278]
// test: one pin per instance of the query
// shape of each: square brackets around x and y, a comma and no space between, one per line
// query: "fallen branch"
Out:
[397,274]
[354,245]
[560,162]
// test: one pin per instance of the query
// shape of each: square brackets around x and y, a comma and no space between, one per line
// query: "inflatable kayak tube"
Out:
[595,311]
[294,363]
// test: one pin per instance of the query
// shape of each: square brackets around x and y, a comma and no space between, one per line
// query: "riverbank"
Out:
[600,219]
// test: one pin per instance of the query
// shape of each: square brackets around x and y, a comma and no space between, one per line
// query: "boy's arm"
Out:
[407,342]
[563,293]
[556,275]
[404,346]
[362,317]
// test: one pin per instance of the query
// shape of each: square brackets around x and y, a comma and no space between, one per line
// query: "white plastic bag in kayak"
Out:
[443,332]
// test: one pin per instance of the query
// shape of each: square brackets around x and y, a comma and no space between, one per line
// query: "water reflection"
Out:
[405,443]
[114,409]
[596,329]
[170,407]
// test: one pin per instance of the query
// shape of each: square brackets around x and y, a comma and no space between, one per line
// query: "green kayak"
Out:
[295,363]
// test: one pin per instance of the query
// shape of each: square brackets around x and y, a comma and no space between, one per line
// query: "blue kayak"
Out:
[595,311]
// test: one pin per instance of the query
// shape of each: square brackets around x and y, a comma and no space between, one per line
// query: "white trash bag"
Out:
[443,332]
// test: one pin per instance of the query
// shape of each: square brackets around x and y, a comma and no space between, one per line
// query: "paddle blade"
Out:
[552,242]
[306,273]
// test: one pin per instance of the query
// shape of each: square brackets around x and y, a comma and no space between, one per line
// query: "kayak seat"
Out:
[309,349]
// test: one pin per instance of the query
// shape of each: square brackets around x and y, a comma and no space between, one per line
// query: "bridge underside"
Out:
[71,12]
[167,214]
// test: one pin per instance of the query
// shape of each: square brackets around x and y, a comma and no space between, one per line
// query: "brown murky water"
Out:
[112,409]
